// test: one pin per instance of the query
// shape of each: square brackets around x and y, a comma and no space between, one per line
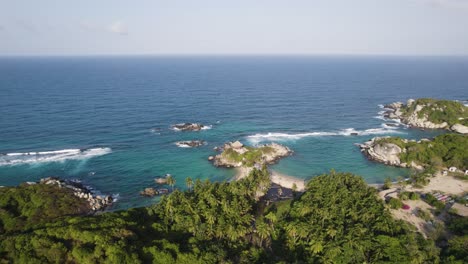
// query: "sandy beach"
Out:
[446,184]
[276,177]
[287,181]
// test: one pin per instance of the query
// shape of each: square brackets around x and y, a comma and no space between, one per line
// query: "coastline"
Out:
[283,180]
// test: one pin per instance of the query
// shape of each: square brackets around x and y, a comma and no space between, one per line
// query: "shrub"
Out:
[395,203]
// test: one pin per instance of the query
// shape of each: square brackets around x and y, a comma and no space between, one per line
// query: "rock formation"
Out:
[96,202]
[189,127]
[190,143]
[417,113]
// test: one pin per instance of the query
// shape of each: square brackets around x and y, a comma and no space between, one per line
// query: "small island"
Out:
[431,114]
[246,158]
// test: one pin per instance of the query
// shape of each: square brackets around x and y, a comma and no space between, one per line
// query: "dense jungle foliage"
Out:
[338,219]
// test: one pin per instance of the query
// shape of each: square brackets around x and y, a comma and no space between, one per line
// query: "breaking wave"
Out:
[51,156]
[257,138]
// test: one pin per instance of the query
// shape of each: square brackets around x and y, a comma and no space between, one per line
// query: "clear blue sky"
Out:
[401,27]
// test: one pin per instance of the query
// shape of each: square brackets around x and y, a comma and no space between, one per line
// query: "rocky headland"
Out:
[441,153]
[380,149]
[430,114]
[95,202]
[189,127]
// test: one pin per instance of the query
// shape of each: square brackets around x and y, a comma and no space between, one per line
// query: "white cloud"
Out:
[118,28]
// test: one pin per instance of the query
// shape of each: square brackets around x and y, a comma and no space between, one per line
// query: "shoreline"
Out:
[286,181]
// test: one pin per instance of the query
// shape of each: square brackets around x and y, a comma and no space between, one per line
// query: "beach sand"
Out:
[446,184]
[276,177]
[287,181]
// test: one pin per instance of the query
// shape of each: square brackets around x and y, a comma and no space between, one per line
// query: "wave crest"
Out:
[257,138]
[19,158]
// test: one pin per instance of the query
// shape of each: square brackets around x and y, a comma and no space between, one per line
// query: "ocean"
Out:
[107,120]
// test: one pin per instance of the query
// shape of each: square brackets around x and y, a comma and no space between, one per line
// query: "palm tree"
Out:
[189,183]
[171,181]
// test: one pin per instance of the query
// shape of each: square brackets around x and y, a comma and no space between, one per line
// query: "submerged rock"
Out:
[190,143]
[189,127]
[150,192]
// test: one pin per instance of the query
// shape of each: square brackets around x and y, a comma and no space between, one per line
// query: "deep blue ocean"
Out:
[106,120]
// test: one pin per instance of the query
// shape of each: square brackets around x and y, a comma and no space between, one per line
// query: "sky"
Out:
[173,27]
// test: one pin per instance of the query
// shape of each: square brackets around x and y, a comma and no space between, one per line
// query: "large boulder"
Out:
[387,153]
[459,128]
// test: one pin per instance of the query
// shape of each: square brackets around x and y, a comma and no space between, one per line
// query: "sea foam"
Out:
[18,158]
[257,138]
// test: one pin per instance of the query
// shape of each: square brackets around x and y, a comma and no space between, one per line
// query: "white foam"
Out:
[257,138]
[207,127]
[18,158]
[181,145]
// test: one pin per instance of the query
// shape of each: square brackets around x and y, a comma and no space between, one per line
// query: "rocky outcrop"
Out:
[387,153]
[189,127]
[459,128]
[96,202]
[190,143]
[415,114]
[265,154]
[150,192]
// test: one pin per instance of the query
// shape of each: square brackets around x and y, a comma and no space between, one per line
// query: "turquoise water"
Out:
[109,108]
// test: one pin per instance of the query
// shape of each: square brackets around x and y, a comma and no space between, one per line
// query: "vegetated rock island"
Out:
[431,114]
[246,158]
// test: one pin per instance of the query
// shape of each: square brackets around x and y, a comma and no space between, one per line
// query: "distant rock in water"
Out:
[150,192]
[189,127]
[190,143]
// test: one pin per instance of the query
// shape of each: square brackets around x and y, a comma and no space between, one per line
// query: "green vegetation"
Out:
[338,219]
[457,248]
[439,111]
[395,203]
[25,206]
[404,195]
[250,157]
[444,151]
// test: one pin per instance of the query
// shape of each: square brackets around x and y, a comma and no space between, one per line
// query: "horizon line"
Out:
[233,55]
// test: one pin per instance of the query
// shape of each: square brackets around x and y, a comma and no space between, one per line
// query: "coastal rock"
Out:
[150,192]
[265,154]
[190,143]
[459,128]
[416,113]
[211,158]
[387,153]
[96,202]
[189,127]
